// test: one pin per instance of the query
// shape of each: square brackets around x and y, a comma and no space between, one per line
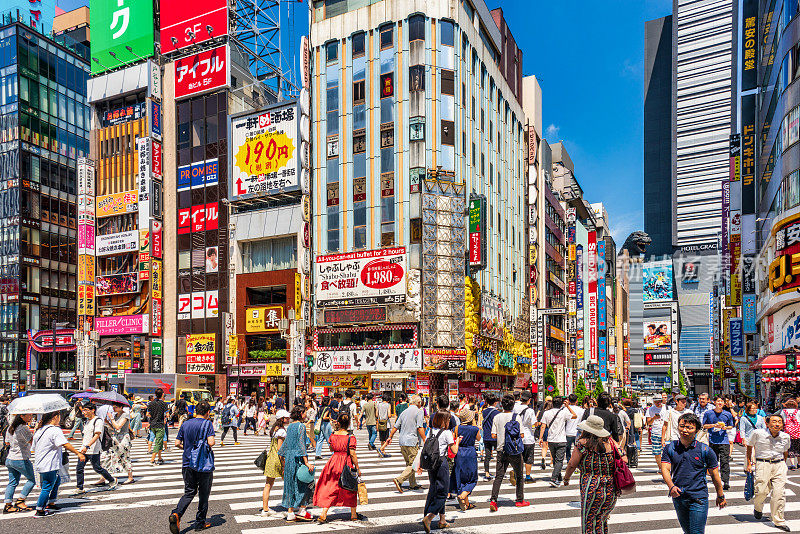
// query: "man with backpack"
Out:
[527,419]
[349,407]
[229,414]
[489,443]
[507,431]
[555,419]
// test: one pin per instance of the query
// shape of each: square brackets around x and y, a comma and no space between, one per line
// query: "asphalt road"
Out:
[144,506]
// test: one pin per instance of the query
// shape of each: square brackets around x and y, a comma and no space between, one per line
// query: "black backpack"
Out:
[429,458]
[513,439]
[105,438]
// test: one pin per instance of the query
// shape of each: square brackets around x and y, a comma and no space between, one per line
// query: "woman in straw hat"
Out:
[465,470]
[594,455]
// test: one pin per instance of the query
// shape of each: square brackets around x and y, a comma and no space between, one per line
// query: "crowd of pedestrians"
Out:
[455,441]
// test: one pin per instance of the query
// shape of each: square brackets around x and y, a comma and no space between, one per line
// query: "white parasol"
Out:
[38,403]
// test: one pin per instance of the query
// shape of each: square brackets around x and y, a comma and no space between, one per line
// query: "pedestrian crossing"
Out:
[238,484]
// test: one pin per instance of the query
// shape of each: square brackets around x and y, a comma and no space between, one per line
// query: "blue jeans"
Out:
[325,432]
[637,436]
[692,514]
[372,432]
[50,482]
[77,425]
[17,468]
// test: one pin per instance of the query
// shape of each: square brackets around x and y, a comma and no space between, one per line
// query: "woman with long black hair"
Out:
[273,469]
[439,477]
[48,444]
[18,462]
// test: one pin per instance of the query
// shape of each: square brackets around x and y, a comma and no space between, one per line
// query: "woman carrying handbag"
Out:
[329,491]
[272,463]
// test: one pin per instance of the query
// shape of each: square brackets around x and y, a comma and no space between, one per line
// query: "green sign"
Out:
[155,348]
[117,25]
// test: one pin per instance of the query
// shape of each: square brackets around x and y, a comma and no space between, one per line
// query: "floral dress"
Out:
[118,458]
[598,494]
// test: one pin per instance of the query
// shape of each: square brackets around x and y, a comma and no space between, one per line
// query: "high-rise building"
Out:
[44,118]
[658,134]
[415,116]
[704,93]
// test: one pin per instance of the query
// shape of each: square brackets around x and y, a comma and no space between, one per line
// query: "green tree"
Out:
[550,380]
[682,384]
[580,389]
[598,388]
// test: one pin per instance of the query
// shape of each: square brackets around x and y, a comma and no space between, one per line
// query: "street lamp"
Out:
[290,335]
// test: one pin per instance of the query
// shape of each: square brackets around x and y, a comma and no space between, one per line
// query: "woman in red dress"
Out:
[328,493]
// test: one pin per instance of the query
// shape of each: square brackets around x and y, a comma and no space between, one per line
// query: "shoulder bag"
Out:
[623,478]
[348,480]
[201,457]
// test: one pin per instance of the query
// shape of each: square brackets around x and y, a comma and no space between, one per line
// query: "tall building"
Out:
[658,133]
[415,115]
[45,124]
[704,93]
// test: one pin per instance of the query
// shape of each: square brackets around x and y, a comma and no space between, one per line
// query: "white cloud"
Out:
[622,225]
[552,132]
[630,69]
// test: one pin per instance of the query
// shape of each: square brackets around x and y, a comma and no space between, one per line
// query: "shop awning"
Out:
[391,376]
[770,361]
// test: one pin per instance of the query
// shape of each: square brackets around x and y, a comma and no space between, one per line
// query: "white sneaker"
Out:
[267,513]
[290,516]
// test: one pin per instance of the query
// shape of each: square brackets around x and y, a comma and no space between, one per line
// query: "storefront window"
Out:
[269,255]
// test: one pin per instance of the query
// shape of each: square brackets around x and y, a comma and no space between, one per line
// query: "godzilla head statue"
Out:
[636,244]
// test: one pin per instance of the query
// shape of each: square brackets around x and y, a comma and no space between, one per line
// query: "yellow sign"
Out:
[156,280]
[273,369]
[727,313]
[200,344]
[572,252]
[265,153]
[233,349]
[123,364]
[117,204]
[263,319]
[298,294]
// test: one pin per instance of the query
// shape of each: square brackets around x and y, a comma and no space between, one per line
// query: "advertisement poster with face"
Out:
[657,334]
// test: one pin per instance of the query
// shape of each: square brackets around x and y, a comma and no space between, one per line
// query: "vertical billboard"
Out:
[601,284]
[189,23]
[592,279]
[144,148]
[657,281]
[118,25]
[477,233]
[749,42]
[748,154]
[203,72]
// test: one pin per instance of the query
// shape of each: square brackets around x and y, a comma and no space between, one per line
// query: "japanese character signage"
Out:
[38,14]
[361,278]
[124,114]
[748,154]
[117,25]
[144,149]
[737,339]
[189,23]
[198,305]
[117,204]
[263,319]
[784,271]
[198,174]
[201,353]
[592,290]
[749,313]
[477,233]
[118,243]
[205,71]
[265,153]
[601,285]
[749,41]
[351,361]
[198,218]
[121,325]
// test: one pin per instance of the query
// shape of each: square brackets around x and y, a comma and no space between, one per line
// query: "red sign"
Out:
[198,218]
[190,23]
[387,84]
[380,274]
[156,154]
[202,72]
[155,318]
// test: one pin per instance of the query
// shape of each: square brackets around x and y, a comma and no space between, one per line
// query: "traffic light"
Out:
[791,362]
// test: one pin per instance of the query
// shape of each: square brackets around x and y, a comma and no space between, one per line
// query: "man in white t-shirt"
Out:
[670,432]
[656,414]
[556,421]
[527,420]
[572,424]
[91,446]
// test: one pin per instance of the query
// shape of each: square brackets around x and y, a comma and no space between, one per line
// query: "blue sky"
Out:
[589,58]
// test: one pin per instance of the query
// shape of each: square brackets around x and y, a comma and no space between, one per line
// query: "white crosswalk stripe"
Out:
[238,485]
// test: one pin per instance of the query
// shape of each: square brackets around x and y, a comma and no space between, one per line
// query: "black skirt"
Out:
[439,487]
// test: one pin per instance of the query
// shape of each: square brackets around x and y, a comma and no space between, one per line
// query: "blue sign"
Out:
[155,119]
[198,174]
[601,285]
[749,313]
[601,356]
[737,339]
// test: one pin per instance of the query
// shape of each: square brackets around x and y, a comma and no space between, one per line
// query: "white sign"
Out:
[361,278]
[264,152]
[117,243]
[144,150]
[198,305]
[345,361]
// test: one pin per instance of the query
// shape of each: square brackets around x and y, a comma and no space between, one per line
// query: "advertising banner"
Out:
[492,319]
[198,174]
[477,233]
[117,204]
[201,353]
[190,23]
[198,305]
[361,278]
[749,313]
[117,25]
[198,218]
[592,279]
[122,325]
[263,319]
[144,151]
[86,239]
[657,358]
[737,339]
[205,71]
[748,110]
[579,279]
[265,156]
[785,268]
[118,243]
[351,361]
[657,281]
[117,284]
[601,286]
[157,235]
[657,334]
[749,41]
[154,117]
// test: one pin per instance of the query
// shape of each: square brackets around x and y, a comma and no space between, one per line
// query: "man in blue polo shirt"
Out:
[718,421]
[684,463]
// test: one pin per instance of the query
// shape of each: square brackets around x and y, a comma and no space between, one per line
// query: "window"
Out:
[448,82]
[258,296]
[416,78]
[359,141]
[332,51]
[269,254]
[416,28]
[359,92]
[358,44]
[448,33]
[448,133]
[387,37]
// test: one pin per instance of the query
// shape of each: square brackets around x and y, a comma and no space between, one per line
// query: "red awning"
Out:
[770,361]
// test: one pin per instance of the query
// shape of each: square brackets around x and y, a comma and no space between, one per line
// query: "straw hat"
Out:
[594,425]
[466,415]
